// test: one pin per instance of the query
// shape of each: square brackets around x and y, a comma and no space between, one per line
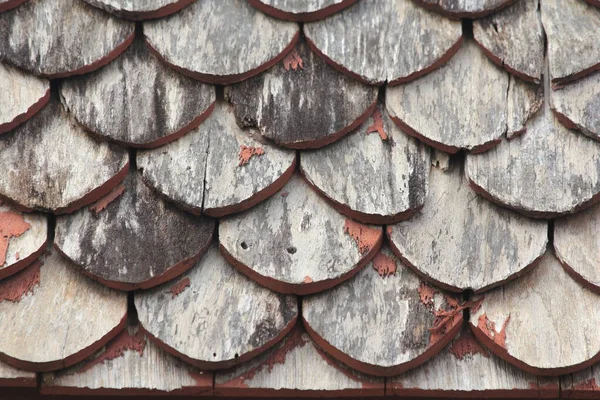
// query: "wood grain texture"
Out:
[301,10]
[573,49]
[202,170]
[21,96]
[303,106]
[55,165]
[115,101]
[465,8]
[461,241]
[381,325]
[541,322]
[140,9]
[368,40]
[524,100]
[581,384]
[138,241]
[220,320]
[514,39]
[461,105]
[368,178]
[295,242]
[13,377]
[63,37]
[466,369]
[221,41]
[130,364]
[51,316]
[295,367]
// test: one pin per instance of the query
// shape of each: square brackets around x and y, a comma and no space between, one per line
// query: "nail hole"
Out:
[214,354]
[236,355]
[291,250]
[244,245]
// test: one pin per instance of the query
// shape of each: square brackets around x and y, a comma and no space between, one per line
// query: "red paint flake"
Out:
[117,348]
[365,237]
[426,294]
[293,61]
[384,265]
[285,194]
[467,346]
[377,125]
[12,224]
[101,204]
[179,287]
[446,317]
[14,288]
[307,279]
[17,256]
[489,328]
[247,152]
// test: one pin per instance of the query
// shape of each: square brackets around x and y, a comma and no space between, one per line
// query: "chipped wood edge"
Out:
[10,4]
[31,111]
[498,61]
[570,124]
[301,17]
[461,14]
[558,83]
[144,15]
[227,79]
[576,276]
[24,262]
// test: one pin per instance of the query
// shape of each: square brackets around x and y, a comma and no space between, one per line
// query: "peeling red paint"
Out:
[179,287]
[446,318]
[426,294]
[467,346]
[489,329]
[200,378]
[384,265]
[590,384]
[247,152]
[365,237]
[17,256]
[307,279]
[12,224]
[119,345]
[293,61]
[103,202]
[14,288]
[377,125]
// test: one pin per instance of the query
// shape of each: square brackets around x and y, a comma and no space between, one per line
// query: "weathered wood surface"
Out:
[55,165]
[461,241]
[301,10]
[302,102]
[369,40]
[541,322]
[465,8]
[13,377]
[137,241]
[514,39]
[582,384]
[140,9]
[117,100]
[572,28]
[51,316]
[218,168]
[295,242]
[213,316]
[377,174]
[384,321]
[461,105]
[6,5]
[22,239]
[524,100]
[76,39]
[465,368]
[21,96]
[295,367]
[130,364]
[221,41]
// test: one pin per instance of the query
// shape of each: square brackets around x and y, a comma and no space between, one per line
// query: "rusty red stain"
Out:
[426,294]
[384,265]
[247,152]
[179,287]
[12,224]
[101,204]
[489,328]
[307,279]
[117,348]
[590,384]
[466,345]
[293,61]
[377,125]
[14,288]
[365,237]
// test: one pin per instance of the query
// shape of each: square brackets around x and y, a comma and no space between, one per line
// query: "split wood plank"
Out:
[302,102]
[55,165]
[524,100]
[137,10]
[384,321]
[221,41]
[295,242]
[301,10]
[213,316]
[377,174]
[219,167]
[76,39]
[461,241]
[134,241]
[129,365]
[461,105]
[572,28]
[541,322]
[13,377]
[514,39]
[368,40]
[295,367]
[115,101]
[52,317]
[465,8]
[21,96]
